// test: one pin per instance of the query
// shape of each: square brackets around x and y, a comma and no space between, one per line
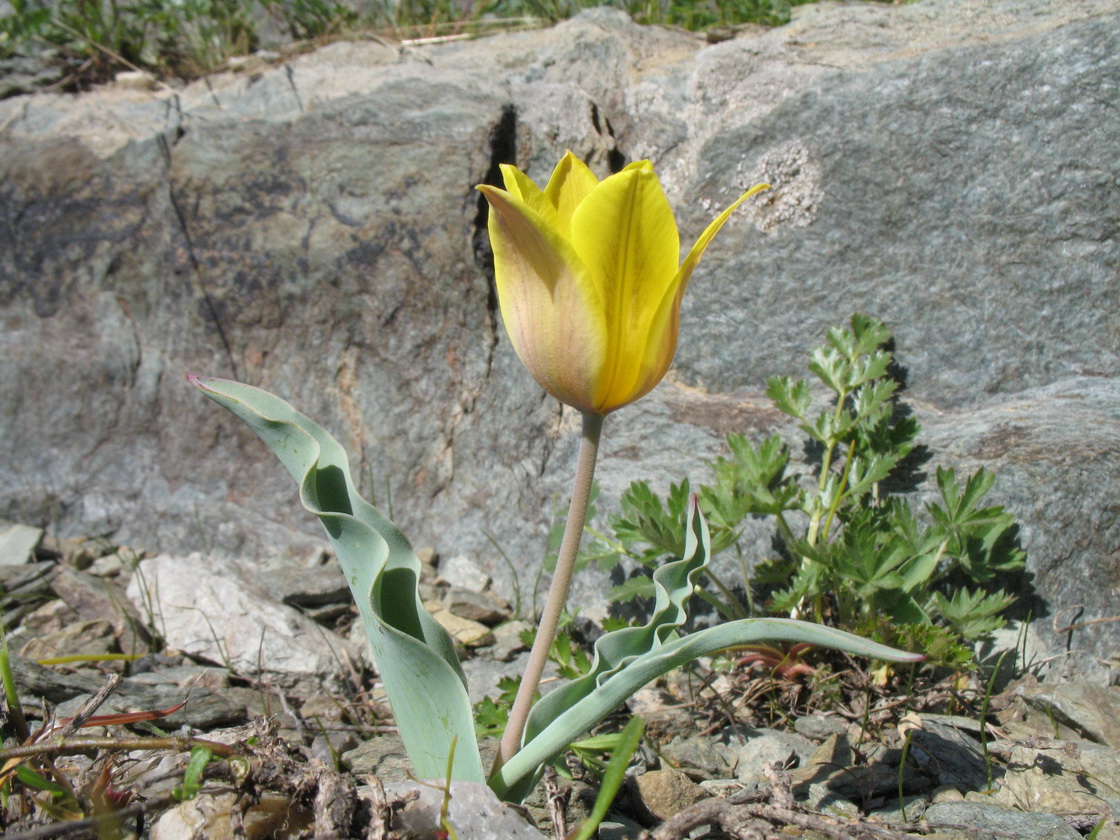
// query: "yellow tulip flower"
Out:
[588,279]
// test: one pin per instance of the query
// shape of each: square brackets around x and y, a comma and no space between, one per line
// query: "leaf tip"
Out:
[205,383]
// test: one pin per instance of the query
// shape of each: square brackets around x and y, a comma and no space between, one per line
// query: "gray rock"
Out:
[93,599]
[1061,777]
[473,811]
[463,573]
[483,607]
[701,758]
[91,638]
[831,777]
[211,815]
[20,74]
[36,681]
[383,756]
[204,709]
[1090,710]
[484,673]
[312,228]
[507,640]
[24,588]
[665,793]
[614,828]
[948,756]
[910,810]
[303,587]
[963,820]
[207,609]
[768,746]
[818,727]
[17,544]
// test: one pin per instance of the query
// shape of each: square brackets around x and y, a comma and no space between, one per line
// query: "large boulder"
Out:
[312,228]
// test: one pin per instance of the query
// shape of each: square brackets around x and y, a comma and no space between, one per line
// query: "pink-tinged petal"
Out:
[570,184]
[551,308]
[626,236]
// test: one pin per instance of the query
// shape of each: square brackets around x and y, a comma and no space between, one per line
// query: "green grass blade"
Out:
[613,777]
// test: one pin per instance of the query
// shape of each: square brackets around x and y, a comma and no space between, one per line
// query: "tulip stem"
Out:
[557,590]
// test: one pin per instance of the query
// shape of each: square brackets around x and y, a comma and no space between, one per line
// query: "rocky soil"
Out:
[311,226]
[261,666]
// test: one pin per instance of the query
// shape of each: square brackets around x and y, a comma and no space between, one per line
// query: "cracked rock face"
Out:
[312,228]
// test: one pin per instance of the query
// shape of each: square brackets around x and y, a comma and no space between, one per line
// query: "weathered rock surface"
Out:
[208,610]
[472,810]
[949,166]
[17,543]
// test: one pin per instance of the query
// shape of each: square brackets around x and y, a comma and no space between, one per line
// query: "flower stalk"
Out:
[557,590]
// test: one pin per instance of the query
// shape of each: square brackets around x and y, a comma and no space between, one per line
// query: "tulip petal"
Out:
[709,233]
[551,308]
[665,325]
[625,233]
[520,185]
[570,184]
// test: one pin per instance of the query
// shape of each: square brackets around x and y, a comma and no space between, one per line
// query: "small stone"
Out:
[1090,710]
[830,767]
[484,673]
[483,607]
[474,811]
[1074,777]
[26,585]
[322,708]
[700,758]
[272,815]
[722,788]
[303,587]
[786,749]
[946,793]
[667,792]
[581,800]
[945,753]
[383,756]
[134,80]
[988,820]
[462,630]
[327,745]
[17,544]
[819,727]
[507,640]
[820,797]
[650,700]
[211,609]
[90,638]
[662,712]
[891,813]
[185,676]
[318,556]
[619,828]
[94,598]
[111,565]
[463,572]
[429,560]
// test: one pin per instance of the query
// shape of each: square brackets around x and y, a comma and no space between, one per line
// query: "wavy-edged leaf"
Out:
[415,655]
[627,659]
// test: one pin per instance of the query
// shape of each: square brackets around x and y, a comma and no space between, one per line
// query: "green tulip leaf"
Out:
[627,659]
[415,656]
